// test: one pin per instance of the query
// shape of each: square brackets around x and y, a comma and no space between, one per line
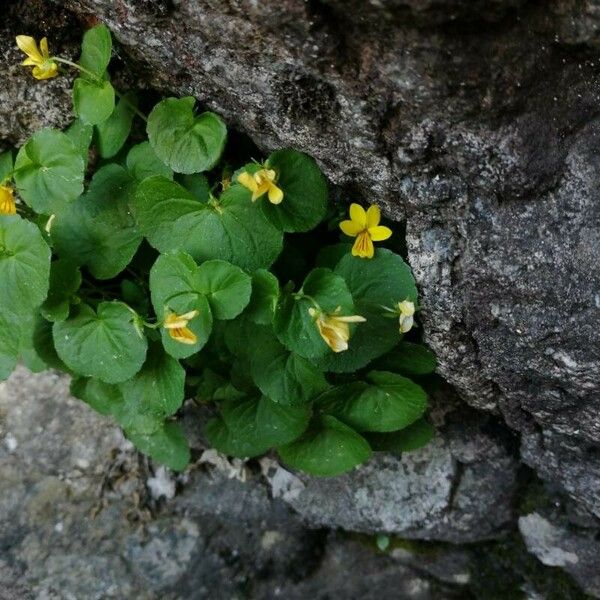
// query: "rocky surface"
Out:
[477,124]
[556,546]
[82,515]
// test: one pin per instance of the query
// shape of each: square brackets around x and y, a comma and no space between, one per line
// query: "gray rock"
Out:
[77,519]
[556,546]
[476,123]
[459,488]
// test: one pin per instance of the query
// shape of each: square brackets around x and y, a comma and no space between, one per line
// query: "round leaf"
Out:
[183,141]
[389,403]
[226,287]
[98,230]
[49,171]
[112,133]
[156,391]
[328,448]
[381,281]
[142,163]
[93,101]
[96,49]
[282,376]
[304,192]
[65,279]
[104,398]
[10,334]
[265,293]
[231,229]
[294,325]
[410,359]
[167,445]
[24,266]
[253,426]
[105,345]
[415,436]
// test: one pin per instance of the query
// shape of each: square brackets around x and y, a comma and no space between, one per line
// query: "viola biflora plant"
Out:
[151,271]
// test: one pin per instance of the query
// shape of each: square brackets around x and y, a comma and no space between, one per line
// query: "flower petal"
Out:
[406,324]
[373,216]
[183,336]
[380,233]
[358,215]
[363,246]
[350,228]
[44,47]
[275,194]
[247,181]
[46,71]
[27,44]
[351,319]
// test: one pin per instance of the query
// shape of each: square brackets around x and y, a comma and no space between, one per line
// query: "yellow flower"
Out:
[262,182]
[7,201]
[364,226]
[38,58]
[178,329]
[406,308]
[333,328]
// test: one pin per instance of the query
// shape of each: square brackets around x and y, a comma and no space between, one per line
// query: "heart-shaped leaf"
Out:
[183,141]
[103,344]
[49,171]
[328,448]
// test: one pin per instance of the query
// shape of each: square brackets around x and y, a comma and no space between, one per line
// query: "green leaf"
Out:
[24,266]
[65,279]
[282,376]
[98,230]
[198,185]
[42,343]
[93,101]
[103,344]
[304,192]
[142,163]
[250,427]
[388,403]
[173,288]
[104,398]
[227,288]
[265,293]
[212,388]
[328,448]
[6,165]
[158,389]
[232,228]
[29,356]
[410,359]
[49,171]
[381,281]
[96,49]
[185,142]
[413,437]
[80,134]
[157,204]
[167,446]
[294,325]
[112,133]
[10,334]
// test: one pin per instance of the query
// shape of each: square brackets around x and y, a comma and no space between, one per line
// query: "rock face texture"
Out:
[477,124]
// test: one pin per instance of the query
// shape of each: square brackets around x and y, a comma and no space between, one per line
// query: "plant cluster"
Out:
[154,271]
